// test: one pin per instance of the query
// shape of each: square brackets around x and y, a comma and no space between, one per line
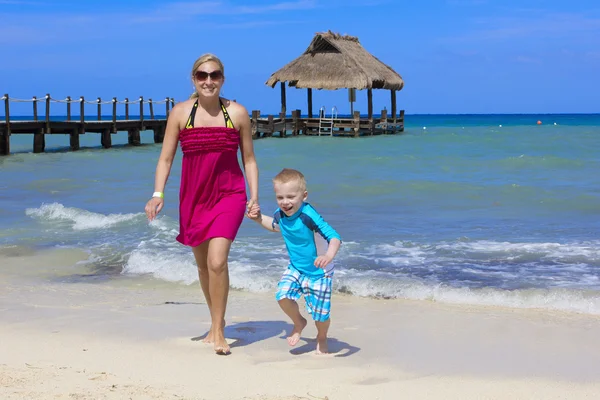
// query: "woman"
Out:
[213,190]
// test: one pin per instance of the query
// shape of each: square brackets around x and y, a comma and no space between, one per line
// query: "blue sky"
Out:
[455,56]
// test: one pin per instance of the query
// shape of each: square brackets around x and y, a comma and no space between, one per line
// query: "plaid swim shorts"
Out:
[317,291]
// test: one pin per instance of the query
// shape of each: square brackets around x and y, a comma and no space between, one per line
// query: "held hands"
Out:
[153,207]
[253,210]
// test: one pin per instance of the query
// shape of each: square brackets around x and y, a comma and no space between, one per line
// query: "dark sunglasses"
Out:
[203,75]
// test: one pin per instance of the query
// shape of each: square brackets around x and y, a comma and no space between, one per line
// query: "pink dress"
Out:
[212,196]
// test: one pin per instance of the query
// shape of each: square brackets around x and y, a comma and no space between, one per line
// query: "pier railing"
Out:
[40,126]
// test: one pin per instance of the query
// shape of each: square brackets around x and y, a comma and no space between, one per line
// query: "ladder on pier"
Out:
[325,123]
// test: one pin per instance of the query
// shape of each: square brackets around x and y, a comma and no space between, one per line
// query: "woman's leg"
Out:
[201,255]
[218,289]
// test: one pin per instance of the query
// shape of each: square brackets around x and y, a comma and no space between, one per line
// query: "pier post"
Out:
[356,128]
[5,137]
[106,140]
[254,120]
[159,133]
[383,121]
[99,109]
[74,140]
[126,108]
[68,108]
[4,144]
[47,112]
[151,108]
[114,114]
[81,115]
[35,114]
[401,120]
[81,110]
[142,127]
[295,127]
[133,136]
[282,132]
[167,106]
[271,126]
[39,141]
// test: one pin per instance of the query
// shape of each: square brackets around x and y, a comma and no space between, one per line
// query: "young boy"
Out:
[307,273]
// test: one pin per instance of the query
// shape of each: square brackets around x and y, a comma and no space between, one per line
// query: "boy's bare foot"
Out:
[294,337]
[210,336]
[322,345]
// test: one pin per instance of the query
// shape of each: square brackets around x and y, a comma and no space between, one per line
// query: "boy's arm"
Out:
[267,223]
[334,246]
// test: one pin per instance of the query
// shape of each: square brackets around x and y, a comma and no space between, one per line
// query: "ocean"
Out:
[489,210]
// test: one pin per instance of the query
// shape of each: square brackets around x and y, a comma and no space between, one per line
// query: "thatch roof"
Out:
[334,61]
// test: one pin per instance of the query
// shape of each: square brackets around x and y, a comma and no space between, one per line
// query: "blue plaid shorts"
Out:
[317,291]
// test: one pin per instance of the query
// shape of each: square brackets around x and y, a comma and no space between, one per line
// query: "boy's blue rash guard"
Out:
[298,234]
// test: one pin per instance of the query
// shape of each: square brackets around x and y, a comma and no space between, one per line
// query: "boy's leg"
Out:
[322,328]
[288,291]
[318,304]
[290,307]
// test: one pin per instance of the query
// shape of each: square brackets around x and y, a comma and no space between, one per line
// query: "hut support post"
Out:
[370,103]
[283,105]
[370,111]
[309,93]
[393,99]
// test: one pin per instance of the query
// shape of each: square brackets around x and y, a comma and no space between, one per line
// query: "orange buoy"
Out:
[539,122]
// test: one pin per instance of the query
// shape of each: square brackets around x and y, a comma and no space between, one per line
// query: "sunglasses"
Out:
[203,75]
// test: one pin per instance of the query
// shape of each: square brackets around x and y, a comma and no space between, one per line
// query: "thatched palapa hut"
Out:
[333,61]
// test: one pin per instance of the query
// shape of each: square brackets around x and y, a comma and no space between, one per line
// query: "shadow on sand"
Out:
[247,333]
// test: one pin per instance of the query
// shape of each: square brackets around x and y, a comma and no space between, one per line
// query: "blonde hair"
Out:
[291,175]
[204,58]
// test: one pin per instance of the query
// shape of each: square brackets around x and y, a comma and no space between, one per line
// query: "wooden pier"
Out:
[325,125]
[281,125]
[40,127]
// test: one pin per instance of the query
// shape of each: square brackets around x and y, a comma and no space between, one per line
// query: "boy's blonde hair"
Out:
[290,175]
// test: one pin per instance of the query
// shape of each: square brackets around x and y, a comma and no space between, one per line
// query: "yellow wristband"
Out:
[158,194]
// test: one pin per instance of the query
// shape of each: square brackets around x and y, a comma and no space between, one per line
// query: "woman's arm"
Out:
[247,150]
[165,160]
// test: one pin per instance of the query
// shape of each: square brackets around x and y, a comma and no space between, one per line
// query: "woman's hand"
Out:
[249,205]
[153,207]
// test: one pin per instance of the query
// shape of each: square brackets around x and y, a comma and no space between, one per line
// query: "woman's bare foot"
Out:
[294,337]
[221,346]
[210,336]
[322,345]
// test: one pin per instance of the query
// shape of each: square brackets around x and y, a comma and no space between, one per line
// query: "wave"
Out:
[78,218]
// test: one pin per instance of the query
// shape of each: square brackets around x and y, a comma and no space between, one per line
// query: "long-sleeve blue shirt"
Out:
[298,231]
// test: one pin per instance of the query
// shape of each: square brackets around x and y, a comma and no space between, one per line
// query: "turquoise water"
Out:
[474,209]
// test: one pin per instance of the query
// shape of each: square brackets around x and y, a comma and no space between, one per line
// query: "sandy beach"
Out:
[68,338]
